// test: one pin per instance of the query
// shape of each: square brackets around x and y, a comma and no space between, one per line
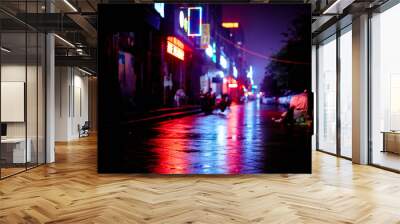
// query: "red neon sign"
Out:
[175,47]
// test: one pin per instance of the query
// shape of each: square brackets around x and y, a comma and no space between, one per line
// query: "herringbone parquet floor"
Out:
[70,191]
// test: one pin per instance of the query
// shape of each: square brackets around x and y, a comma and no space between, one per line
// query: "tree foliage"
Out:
[281,76]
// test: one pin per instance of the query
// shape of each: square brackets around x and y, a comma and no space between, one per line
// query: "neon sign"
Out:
[250,72]
[223,62]
[205,36]
[235,72]
[230,25]
[159,7]
[214,56]
[175,47]
[209,51]
[181,18]
[232,85]
[195,21]
[183,21]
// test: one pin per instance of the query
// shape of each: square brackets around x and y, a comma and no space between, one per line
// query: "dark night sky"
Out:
[262,25]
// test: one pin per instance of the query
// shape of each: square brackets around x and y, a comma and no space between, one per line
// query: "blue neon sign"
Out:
[195,21]
[214,56]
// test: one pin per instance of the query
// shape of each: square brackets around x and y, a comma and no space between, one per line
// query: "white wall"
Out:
[81,85]
[71,102]
[16,72]
[33,126]
[62,84]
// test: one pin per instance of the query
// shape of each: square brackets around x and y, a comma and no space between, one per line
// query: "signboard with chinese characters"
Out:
[175,47]
[205,36]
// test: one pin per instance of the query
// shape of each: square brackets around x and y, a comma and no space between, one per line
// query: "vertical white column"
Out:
[360,90]
[63,101]
[50,92]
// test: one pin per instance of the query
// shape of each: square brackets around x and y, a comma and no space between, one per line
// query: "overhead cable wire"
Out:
[256,54]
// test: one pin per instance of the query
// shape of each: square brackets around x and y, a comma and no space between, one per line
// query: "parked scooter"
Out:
[224,103]
[207,102]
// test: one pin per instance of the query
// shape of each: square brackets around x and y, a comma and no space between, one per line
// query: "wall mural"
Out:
[205,88]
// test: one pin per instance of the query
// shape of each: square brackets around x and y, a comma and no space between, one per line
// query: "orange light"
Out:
[176,42]
[230,25]
[175,47]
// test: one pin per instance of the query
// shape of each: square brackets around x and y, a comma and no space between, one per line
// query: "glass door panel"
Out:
[327,96]
[346,94]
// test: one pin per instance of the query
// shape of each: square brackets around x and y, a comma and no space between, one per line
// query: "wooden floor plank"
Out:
[71,191]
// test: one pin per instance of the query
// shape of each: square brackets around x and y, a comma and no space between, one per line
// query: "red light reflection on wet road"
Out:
[217,143]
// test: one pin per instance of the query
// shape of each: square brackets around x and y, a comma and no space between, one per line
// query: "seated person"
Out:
[287,117]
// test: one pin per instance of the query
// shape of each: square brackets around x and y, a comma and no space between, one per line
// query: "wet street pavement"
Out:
[242,140]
